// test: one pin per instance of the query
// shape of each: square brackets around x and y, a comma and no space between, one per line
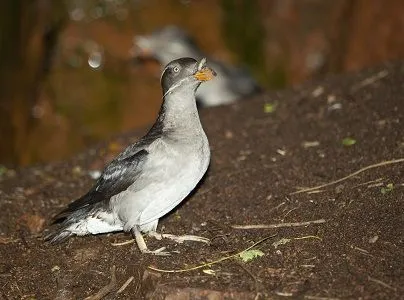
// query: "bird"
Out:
[151,176]
[171,42]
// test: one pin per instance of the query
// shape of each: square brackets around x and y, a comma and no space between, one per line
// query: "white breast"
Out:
[171,172]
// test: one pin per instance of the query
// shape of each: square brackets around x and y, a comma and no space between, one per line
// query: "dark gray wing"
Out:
[116,177]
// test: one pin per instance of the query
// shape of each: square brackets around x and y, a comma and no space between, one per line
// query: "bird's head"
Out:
[185,72]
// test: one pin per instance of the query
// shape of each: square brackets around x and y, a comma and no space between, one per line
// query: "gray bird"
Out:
[152,176]
[171,42]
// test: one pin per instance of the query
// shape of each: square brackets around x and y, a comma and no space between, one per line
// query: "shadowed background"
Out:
[67,78]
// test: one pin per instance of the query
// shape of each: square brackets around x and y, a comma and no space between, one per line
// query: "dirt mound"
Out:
[341,240]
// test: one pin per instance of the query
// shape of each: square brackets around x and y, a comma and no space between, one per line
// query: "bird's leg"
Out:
[142,244]
[178,238]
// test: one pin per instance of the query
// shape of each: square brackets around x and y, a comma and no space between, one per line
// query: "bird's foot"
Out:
[179,238]
[143,247]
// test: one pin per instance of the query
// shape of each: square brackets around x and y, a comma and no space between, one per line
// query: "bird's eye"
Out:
[176,69]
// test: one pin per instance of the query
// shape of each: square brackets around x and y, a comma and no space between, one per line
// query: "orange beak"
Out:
[205,74]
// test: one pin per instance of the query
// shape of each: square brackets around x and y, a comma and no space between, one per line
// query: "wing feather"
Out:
[116,177]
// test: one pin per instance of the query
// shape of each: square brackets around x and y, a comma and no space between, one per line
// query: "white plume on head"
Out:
[202,63]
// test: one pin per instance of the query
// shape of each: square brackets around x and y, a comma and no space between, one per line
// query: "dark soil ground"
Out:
[259,159]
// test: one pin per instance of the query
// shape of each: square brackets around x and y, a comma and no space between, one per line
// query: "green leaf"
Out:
[348,141]
[3,170]
[387,189]
[269,108]
[248,255]
[177,216]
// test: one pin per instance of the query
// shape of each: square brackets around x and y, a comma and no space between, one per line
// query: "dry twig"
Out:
[382,283]
[280,225]
[125,285]
[131,241]
[381,164]
[106,289]
[319,298]
[213,262]
[370,80]
[256,282]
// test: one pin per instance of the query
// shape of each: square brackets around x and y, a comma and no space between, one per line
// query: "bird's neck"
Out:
[179,113]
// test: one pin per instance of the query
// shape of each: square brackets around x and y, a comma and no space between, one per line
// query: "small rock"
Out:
[35,223]
[318,91]
[228,134]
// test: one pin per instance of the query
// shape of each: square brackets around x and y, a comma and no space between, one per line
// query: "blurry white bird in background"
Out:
[171,42]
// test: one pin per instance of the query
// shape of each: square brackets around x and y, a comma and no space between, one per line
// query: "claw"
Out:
[159,236]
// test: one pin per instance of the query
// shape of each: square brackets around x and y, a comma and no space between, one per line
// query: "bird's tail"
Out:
[58,236]
[66,221]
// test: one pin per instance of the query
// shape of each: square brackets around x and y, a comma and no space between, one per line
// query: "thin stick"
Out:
[213,262]
[308,237]
[319,298]
[381,164]
[377,181]
[280,225]
[125,285]
[123,243]
[370,80]
[106,289]
[382,283]
[256,282]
